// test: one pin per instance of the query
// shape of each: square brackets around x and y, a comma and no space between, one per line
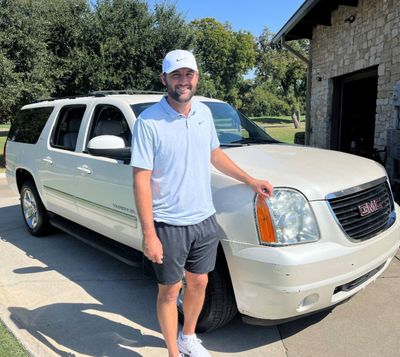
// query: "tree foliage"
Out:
[69,47]
[224,57]
[283,73]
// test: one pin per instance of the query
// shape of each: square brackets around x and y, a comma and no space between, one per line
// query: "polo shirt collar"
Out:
[172,113]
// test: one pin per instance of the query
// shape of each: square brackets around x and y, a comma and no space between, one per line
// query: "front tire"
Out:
[219,304]
[34,213]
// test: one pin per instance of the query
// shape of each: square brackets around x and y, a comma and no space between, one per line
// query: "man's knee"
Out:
[196,282]
[168,293]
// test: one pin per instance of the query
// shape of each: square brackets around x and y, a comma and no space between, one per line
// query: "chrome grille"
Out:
[364,213]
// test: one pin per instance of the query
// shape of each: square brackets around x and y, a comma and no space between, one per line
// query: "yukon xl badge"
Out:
[370,207]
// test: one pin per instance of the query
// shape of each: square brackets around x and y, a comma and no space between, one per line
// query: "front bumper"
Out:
[277,283]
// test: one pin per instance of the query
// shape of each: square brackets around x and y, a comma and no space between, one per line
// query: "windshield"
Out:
[233,128]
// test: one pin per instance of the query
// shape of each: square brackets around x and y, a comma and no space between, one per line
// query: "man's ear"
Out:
[162,77]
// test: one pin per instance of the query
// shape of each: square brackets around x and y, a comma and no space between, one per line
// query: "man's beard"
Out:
[181,98]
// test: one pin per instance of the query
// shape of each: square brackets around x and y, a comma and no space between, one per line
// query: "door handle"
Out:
[48,160]
[85,169]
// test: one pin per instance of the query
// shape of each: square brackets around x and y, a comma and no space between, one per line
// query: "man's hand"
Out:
[152,248]
[262,187]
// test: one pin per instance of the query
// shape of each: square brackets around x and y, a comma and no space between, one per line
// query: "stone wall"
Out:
[373,39]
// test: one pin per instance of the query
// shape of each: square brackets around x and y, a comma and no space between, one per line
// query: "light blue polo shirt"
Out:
[178,151]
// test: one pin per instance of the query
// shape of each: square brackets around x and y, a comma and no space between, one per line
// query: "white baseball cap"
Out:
[178,59]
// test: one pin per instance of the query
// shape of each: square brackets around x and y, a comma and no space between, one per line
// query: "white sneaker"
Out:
[192,346]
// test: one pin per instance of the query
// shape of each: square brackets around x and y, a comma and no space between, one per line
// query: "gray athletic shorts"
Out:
[192,248]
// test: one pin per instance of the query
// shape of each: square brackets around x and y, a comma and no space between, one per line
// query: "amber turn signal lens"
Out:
[264,220]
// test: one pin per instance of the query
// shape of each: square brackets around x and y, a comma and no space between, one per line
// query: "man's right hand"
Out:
[152,248]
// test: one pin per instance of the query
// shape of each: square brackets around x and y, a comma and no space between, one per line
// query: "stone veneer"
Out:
[372,39]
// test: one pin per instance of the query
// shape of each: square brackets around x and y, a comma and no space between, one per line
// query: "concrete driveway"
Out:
[61,297]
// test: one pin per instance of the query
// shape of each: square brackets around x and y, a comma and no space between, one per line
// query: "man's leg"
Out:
[168,315]
[193,301]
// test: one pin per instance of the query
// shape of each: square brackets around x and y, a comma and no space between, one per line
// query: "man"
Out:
[174,142]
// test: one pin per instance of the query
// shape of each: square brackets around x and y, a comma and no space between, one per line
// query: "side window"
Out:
[109,120]
[28,125]
[66,130]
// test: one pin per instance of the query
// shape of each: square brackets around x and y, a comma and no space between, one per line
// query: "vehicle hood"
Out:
[314,172]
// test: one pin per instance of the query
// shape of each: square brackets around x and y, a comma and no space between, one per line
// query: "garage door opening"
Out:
[353,112]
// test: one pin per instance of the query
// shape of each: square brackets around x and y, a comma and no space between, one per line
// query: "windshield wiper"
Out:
[234,144]
[253,141]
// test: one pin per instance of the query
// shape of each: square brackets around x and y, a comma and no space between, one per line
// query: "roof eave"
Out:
[294,20]
[309,15]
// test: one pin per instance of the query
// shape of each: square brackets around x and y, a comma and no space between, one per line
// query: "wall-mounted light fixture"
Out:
[318,76]
[350,19]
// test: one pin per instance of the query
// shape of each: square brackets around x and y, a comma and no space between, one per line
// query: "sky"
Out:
[250,15]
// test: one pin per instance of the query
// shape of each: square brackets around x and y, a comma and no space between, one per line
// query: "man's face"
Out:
[181,84]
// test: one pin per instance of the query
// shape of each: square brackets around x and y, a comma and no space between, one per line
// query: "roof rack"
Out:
[49,99]
[99,93]
[103,93]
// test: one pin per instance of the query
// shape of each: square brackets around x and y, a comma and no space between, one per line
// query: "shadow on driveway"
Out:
[120,315]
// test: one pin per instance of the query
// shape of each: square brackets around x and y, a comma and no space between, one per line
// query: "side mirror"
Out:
[109,146]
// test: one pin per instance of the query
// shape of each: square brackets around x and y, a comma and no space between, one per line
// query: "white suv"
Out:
[330,229]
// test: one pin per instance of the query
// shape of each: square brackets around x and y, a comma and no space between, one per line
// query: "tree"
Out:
[285,74]
[68,47]
[259,100]
[23,55]
[67,23]
[224,56]
[10,85]
[131,42]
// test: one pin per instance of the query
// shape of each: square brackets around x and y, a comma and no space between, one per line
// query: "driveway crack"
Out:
[283,341]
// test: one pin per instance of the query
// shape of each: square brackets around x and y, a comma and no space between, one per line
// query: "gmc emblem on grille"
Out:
[370,207]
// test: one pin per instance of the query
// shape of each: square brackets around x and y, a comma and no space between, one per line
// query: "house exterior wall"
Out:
[373,39]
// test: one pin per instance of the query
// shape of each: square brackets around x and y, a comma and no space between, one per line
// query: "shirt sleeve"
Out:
[142,146]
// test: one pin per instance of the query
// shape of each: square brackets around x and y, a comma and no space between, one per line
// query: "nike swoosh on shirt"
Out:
[200,122]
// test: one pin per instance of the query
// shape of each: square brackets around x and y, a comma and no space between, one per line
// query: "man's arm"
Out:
[224,164]
[152,247]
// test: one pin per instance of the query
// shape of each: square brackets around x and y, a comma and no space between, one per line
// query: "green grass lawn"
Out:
[280,128]
[3,135]
[9,346]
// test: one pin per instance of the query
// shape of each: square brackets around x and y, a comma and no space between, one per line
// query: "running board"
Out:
[106,245]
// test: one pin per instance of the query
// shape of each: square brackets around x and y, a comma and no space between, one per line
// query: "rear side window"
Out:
[28,125]
[67,127]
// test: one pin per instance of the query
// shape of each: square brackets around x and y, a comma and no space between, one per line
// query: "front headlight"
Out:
[285,219]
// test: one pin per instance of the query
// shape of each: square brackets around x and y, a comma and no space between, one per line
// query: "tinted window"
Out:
[66,130]
[28,125]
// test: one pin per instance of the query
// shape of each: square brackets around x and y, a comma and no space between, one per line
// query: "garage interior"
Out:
[353,113]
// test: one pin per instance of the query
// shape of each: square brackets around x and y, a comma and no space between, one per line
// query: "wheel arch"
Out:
[21,176]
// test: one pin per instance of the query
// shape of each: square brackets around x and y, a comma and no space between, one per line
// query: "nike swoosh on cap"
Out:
[180,59]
